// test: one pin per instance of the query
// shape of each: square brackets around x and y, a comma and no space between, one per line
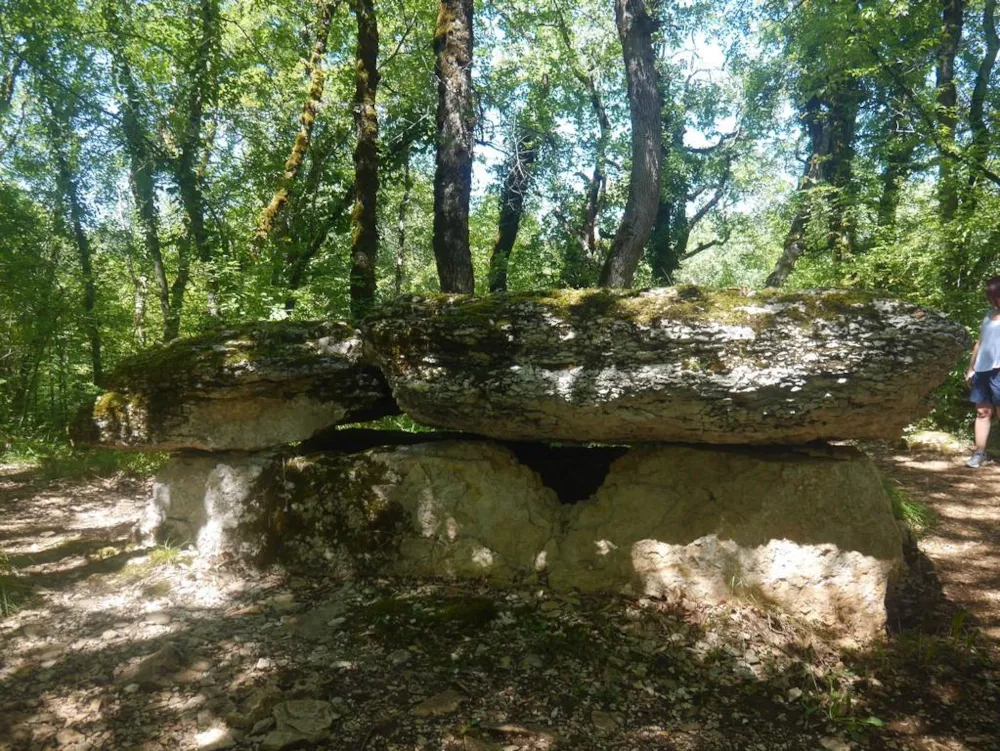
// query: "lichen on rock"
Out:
[676,364]
[247,387]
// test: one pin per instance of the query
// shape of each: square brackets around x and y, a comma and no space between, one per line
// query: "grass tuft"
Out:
[916,516]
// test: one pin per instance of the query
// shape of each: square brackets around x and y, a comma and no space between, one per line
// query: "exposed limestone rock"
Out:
[808,531]
[677,364]
[214,501]
[248,387]
[436,509]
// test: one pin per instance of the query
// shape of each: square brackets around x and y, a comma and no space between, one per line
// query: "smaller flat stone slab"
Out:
[247,387]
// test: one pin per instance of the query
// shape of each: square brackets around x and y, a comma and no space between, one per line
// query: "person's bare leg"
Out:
[984,416]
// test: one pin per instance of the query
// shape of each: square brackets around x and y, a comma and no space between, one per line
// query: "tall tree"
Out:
[635,28]
[199,90]
[952,20]
[456,119]
[143,161]
[530,128]
[824,192]
[61,139]
[271,214]
[364,230]
[979,148]
[589,233]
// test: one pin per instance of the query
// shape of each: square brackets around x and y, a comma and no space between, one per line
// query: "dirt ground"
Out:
[104,645]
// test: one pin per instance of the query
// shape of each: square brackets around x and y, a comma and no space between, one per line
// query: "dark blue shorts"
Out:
[986,387]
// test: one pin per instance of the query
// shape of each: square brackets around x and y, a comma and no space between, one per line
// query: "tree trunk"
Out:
[635,29]
[455,122]
[404,206]
[589,233]
[512,195]
[671,227]
[59,133]
[8,81]
[794,245]
[898,166]
[831,163]
[364,230]
[269,216]
[979,150]
[201,83]
[947,105]
[842,118]
[142,163]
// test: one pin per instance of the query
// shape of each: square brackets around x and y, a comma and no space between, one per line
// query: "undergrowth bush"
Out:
[53,460]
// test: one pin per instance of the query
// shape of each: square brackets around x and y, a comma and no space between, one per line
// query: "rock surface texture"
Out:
[676,364]
[809,531]
[248,387]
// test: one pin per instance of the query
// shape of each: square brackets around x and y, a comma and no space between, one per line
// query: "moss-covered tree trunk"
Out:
[901,144]
[364,231]
[455,122]
[10,67]
[271,214]
[671,227]
[795,242]
[842,118]
[635,28]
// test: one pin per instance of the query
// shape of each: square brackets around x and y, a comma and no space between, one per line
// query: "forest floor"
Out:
[104,645]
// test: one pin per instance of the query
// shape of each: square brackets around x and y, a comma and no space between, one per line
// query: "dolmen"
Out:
[669,442]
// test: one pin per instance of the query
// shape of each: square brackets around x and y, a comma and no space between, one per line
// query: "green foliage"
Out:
[916,516]
[112,86]
[56,460]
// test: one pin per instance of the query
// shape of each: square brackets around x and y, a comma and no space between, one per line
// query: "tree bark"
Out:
[188,166]
[979,150]
[589,233]
[838,168]
[456,119]
[142,163]
[8,81]
[404,206]
[512,195]
[830,123]
[794,245]
[67,179]
[635,28]
[364,230]
[898,166]
[271,213]
[947,104]
[671,225]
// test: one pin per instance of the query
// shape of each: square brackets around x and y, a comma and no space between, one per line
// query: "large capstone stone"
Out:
[809,531]
[678,364]
[247,387]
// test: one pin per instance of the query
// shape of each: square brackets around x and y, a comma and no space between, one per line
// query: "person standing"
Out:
[984,374]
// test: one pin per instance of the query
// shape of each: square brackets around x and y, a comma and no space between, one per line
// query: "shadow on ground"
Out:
[124,651]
